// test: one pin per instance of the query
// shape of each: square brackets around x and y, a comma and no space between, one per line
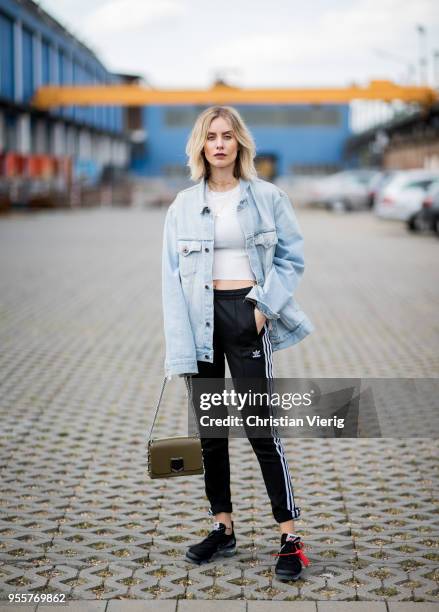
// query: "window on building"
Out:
[7,62]
[27,63]
[45,57]
[270,116]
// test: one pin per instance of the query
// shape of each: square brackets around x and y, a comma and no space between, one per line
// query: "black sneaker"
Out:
[216,543]
[291,557]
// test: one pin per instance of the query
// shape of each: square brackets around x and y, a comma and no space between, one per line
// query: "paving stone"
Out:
[141,606]
[81,367]
[75,606]
[408,606]
[210,606]
[281,606]
[357,606]
[23,580]
[18,607]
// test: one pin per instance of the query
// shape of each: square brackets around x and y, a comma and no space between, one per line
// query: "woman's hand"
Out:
[260,319]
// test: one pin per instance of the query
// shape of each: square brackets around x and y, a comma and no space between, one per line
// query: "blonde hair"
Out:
[197,162]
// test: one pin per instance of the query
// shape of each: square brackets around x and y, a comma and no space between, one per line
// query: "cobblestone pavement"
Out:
[81,363]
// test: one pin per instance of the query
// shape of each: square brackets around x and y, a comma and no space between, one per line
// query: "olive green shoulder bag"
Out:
[179,456]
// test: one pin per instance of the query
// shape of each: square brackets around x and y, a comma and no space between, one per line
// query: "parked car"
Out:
[428,216]
[377,184]
[403,195]
[346,190]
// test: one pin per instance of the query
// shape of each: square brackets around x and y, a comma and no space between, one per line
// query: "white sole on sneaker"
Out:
[285,576]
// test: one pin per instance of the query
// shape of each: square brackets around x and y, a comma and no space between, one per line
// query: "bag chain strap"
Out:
[157,407]
[189,388]
[188,381]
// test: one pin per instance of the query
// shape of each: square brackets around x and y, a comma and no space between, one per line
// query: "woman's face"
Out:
[221,146]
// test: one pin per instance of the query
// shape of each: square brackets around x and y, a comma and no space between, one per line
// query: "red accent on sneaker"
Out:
[304,559]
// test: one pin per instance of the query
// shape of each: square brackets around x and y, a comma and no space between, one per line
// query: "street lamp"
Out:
[423,76]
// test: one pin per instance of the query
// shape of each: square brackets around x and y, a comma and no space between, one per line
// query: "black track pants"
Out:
[249,355]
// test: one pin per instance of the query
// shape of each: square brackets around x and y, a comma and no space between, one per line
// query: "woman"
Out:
[232,258]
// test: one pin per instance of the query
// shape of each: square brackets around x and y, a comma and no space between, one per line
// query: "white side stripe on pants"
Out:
[277,441]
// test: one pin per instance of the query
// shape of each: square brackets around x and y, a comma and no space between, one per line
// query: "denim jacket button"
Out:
[206,356]
[206,286]
[207,324]
[206,249]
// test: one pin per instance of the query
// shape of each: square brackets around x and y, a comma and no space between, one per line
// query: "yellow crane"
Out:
[220,93]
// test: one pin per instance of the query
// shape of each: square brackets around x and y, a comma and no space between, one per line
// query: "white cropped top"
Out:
[230,260]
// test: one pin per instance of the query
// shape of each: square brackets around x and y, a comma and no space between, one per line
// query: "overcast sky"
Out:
[185,43]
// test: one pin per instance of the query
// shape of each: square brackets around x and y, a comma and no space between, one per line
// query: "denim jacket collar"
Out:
[202,187]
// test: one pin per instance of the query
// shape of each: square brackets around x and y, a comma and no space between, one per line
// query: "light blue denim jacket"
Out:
[275,248]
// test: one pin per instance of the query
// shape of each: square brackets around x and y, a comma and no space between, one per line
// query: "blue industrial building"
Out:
[289,139]
[36,50]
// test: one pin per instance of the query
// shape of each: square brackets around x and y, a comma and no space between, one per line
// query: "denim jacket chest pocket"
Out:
[265,243]
[188,256]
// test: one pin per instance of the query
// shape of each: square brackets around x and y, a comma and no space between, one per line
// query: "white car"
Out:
[403,195]
[377,184]
[346,190]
